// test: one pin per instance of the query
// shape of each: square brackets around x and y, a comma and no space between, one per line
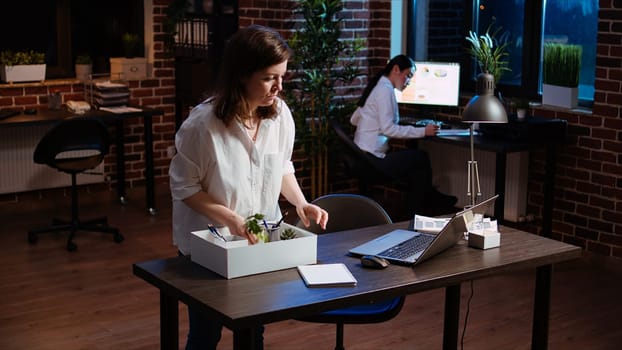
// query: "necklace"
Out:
[252,131]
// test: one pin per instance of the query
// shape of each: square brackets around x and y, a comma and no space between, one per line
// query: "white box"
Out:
[122,68]
[22,73]
[237,258]
[484,239]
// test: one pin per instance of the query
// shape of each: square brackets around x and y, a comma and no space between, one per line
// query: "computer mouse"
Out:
[374,262]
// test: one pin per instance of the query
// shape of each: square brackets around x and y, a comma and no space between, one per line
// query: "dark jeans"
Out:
[204,334]
[413,167]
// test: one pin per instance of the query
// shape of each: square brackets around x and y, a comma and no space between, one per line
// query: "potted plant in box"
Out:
[259,227]
[560,74]
[22,66]
[84,67]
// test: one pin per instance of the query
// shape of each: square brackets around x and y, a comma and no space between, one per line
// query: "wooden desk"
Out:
[246,302]
[53,116]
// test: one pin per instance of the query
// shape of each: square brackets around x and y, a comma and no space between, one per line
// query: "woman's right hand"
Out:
[431,129]
[237,226]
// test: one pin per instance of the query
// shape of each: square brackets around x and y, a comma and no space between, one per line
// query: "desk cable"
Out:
[466,316]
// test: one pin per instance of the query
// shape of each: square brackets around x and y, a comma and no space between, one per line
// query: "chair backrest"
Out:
[357,161]
[75,134]
[348,212]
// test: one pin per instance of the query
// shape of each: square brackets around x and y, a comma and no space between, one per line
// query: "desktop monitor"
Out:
[434,83]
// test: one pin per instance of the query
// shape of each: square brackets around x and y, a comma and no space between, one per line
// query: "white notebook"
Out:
[327,275]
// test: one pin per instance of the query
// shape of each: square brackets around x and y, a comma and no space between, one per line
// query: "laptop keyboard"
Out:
[408,248]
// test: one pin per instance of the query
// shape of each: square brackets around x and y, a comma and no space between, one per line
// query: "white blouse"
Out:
[377,121]
[243,175]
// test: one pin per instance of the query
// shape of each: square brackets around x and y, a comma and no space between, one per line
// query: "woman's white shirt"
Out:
[377,121]
[243,175]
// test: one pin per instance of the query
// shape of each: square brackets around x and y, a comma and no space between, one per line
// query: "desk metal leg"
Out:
[541,308]
[169,322]
[150,186]
[119,140]
[452,317]
[549,185]
[244,339]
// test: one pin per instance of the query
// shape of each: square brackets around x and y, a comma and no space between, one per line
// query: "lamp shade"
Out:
[485,107]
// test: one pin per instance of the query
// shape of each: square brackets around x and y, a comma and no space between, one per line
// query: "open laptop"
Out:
[413,247]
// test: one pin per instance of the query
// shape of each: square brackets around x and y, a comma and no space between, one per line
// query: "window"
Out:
[64,29]
[565,21]
[525,24]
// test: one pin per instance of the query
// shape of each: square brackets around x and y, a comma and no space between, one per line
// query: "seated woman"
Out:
[376,120]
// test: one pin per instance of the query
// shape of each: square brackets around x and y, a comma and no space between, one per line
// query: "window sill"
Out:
[577,110]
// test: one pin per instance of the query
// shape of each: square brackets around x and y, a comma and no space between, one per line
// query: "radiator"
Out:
[449,168]
[18,171]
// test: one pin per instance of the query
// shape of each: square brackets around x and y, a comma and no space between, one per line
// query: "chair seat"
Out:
[77,164]
[367,313]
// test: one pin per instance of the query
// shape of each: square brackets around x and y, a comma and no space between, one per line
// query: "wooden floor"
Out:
[89,299]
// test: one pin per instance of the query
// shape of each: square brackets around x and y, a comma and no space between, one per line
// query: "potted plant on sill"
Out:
[522,106]
[84,67]
[129,67]
[560,74]
[22,66]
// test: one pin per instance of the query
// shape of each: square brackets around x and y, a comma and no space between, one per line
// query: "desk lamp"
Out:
[482,108]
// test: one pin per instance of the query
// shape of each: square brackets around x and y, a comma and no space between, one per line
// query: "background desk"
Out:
[52,116]
[551,136]
[243,303]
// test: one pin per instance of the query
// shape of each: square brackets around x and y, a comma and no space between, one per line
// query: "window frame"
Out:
[530,83]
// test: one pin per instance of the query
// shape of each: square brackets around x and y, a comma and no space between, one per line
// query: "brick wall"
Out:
[588,194]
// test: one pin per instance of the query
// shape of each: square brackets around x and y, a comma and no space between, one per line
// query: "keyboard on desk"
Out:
[419,122]
[409,248]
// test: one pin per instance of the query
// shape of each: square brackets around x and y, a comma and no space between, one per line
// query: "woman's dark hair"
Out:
[249,50]
[402,61]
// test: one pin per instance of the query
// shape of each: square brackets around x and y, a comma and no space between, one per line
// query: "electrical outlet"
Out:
[170,151]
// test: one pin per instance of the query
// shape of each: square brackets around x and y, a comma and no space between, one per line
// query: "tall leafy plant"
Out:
[322,62]
[562,64]
[490,52]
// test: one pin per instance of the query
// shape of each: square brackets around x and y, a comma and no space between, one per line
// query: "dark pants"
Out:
[204,334]
[412,167]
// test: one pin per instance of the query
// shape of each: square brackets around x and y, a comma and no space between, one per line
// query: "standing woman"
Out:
[377,121]
[234,156]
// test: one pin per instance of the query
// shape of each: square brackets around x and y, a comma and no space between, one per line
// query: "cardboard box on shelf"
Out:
[122,68]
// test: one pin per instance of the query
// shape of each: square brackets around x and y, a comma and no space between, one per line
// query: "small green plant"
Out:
[84,59]
[562,64]
[13,58]
[131,44]
[288,233]
[255,224]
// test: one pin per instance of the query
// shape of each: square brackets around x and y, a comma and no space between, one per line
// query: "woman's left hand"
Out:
[308,212]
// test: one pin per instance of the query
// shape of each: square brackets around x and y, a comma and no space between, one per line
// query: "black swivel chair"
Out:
[347,212]
[359,165]
[59,149]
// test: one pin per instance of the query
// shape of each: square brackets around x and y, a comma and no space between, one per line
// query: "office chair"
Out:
[74,146]
[358,164]
[347,212]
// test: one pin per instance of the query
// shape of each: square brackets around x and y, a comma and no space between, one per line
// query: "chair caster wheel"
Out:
[72,247]
[32,238]
[118,238]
